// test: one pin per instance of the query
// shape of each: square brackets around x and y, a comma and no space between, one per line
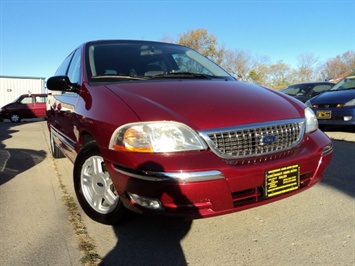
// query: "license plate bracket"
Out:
[282,180]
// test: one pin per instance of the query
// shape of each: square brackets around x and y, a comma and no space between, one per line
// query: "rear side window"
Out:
[41,99]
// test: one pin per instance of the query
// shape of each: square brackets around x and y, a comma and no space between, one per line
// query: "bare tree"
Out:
[280,75]
[259,74]
[238,63]
[244,66]
[307,64]
[340,66]
[167,38]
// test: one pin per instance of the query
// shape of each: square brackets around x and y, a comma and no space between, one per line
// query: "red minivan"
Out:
[158,129]
[25,106]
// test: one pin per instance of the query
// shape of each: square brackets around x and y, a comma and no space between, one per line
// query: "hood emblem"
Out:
[268,140]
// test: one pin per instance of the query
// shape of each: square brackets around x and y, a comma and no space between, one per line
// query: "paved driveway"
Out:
[316,227]
[34,227]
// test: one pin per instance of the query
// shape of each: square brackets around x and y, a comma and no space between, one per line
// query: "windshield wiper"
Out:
[121,77]
[184,75]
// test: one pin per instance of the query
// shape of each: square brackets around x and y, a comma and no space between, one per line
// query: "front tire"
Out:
[15,118]
[94,188]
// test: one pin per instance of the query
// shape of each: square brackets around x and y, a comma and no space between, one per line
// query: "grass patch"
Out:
[85,243]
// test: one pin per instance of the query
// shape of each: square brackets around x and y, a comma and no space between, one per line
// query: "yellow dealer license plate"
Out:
[324,114]
[282,180]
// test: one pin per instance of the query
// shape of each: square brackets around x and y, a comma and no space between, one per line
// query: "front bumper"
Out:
[344,116]
[195,185]
[4,115]
[177,177]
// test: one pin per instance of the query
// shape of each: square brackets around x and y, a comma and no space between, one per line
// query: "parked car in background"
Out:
[336,107]
[25,106]
[157,128]
[305,91]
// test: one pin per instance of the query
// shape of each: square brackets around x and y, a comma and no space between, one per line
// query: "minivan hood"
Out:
[206,104]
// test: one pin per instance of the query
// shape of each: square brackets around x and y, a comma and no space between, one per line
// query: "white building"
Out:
[12,87]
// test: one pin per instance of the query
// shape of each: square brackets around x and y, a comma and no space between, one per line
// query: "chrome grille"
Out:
[256,139]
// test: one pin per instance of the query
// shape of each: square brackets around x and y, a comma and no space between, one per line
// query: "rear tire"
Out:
[94,188]
[56,152]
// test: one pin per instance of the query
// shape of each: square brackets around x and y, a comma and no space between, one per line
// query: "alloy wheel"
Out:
[97,187]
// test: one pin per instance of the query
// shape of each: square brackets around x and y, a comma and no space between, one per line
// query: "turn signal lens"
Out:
[135,139]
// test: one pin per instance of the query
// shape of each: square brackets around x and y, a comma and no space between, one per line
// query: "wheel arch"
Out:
[85,138]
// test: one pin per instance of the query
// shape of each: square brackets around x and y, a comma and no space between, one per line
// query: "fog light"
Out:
[348,118]
[145,202]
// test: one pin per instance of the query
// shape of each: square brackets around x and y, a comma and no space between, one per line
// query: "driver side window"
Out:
[27,100]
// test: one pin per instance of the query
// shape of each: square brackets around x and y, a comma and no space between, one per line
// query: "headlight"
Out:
[308,103]
[350,103]
[156,137]
[311,120]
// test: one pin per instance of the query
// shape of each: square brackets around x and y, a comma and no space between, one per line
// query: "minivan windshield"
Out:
[17,99]
[140,60]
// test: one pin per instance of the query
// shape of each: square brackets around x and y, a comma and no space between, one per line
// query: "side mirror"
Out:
[61,83]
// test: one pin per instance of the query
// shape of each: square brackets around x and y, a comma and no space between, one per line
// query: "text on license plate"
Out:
[282,180]
[324,114]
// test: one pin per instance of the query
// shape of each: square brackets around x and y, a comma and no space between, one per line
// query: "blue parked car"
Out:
[305,91]
[336,107]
